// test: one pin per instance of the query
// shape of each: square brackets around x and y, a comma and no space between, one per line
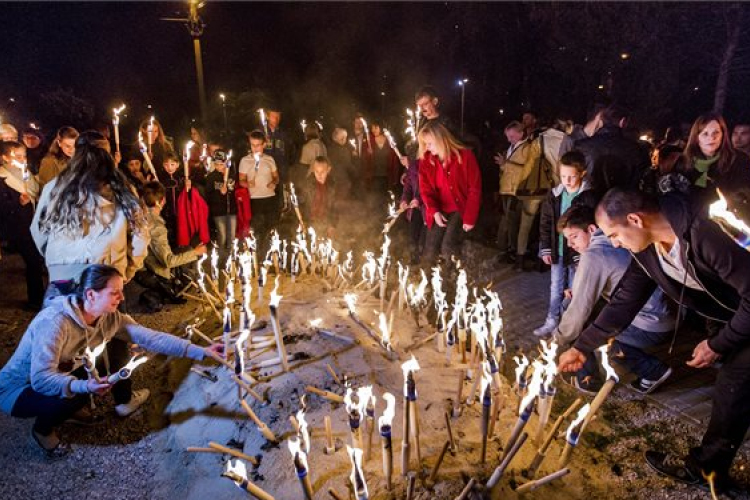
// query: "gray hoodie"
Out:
[59,335]
[600,269]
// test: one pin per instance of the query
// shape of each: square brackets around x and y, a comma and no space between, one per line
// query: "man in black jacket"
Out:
[613,160]
[677,248]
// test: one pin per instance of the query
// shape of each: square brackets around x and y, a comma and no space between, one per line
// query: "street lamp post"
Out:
[462,83]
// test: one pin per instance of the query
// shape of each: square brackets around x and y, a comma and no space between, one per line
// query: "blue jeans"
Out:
[627,350]
[561,277]
[226,228]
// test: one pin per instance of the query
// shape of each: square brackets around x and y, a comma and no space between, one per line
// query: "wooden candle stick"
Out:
[532,485]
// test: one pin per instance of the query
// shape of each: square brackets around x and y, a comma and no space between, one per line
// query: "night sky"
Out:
[333,58]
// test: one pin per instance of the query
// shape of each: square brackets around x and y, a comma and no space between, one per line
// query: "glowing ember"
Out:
[390,410]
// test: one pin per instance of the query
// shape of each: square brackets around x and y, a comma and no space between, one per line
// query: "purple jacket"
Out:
[411,186]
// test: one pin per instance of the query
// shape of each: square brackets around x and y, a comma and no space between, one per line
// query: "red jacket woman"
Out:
[449,178]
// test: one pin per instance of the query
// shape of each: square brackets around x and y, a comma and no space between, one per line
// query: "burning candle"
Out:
[303,431]
[367,134]
[355,418]
[385,423]
[735,227]
[146,157]
[547,391]
[116,125]
[126,371]
[273,305]
[392,143]
[527,403]
[263,120]
[357,477]
[227,330]
[574,433]
[150,133]
[411,416]
[89,360]
[238,473]
[300,466]
[186,161]
[367,408]
[486,407]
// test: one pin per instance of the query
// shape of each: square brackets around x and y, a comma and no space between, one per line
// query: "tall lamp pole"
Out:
[462,83]
[195,26]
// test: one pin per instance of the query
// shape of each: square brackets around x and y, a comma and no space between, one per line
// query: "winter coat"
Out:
[465,182]
[599,271]
[712,258]
[108,241]
[613,160]
[548,234]
[160,259]
[220,204]
[737,176]
[50,168]
[513,168]
[192,218]
[58,336]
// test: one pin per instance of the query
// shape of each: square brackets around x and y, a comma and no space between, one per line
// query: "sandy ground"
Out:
[145,456]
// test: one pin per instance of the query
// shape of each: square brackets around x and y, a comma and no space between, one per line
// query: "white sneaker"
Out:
[548,327]
[136,400]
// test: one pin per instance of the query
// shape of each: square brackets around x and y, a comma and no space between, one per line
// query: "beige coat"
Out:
[513,170]
[50,168]
[160,259]
[108,241]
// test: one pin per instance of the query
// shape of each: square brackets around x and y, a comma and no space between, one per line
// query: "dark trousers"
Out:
[51,411]
[730,415]
[444,241]
[34,268]
[417,231]
[265,216]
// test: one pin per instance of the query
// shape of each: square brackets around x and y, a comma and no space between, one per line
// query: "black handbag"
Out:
[539,181]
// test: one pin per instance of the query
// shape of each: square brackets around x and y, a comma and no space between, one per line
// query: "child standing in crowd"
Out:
[18,195]
[173,181]
[312,149]
[552,248]
[58,156]
[222,205]
[259,175]
[135,171]
[320,198]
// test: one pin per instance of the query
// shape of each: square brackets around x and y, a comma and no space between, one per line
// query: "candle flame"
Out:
[320,125]
[410,366]
[293,195]
[611,374]
[95,353]
[295,448]
[357,477]
[535,385]
[549,353]
[386,334]
[369,268]
[390,410]
[417,293]
[303,430]
[353,143]
[720,210]
[349,402]
[262,113]
[571,434]
[351,302]
[315,323]
[275,297]
[135,362]
[303,124]
[522,363]
[239,347]
[237,469]
[364,395]
[486,378]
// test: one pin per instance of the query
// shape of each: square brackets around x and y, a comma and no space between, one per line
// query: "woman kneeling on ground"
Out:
[45,378]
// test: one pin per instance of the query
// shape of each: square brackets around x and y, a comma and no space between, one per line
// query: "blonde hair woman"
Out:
[451,187]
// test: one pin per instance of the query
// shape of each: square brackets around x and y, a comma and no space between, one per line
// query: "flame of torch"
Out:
[572,434]
[386,419]
[303,430]
[275,297]
[522,363]
[729,222]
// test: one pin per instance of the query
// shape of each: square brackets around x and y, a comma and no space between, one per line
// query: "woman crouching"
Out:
[46,377]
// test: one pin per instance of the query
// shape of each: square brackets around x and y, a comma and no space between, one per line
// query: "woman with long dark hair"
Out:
[46,377]
[157,142]
[89,215]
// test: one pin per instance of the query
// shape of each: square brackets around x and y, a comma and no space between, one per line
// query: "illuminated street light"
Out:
[462,83]
[224,109]
[624,56]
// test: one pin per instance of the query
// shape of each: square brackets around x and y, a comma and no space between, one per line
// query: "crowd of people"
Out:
[621,222]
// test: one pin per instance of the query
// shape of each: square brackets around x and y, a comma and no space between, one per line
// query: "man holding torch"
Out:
[45,376]
[676,247]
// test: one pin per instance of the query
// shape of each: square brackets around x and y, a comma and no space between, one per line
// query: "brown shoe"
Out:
[54,448]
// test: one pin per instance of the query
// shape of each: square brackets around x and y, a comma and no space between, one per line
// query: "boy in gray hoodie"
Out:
[599,271]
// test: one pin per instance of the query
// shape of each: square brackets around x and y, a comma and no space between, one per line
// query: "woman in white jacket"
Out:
[89,214]
[46,377]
